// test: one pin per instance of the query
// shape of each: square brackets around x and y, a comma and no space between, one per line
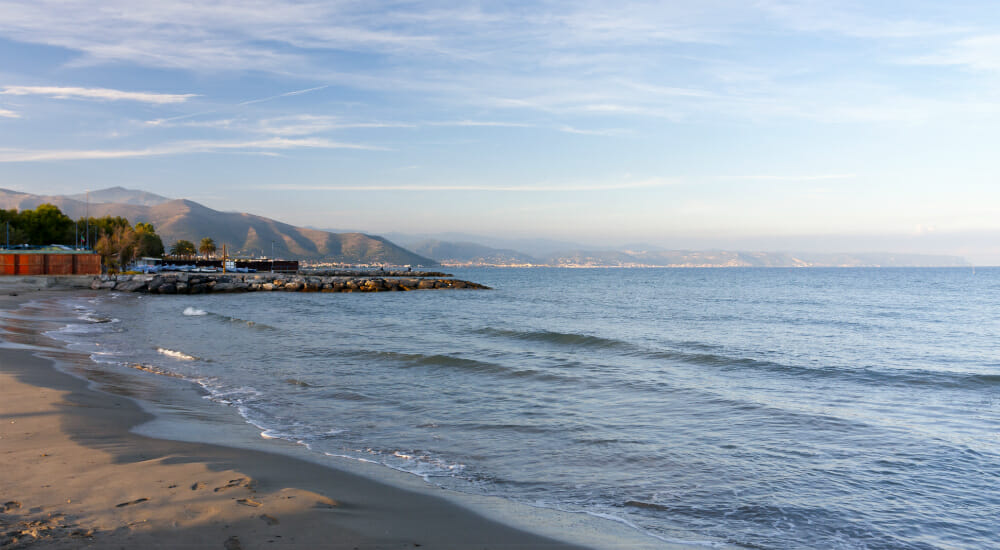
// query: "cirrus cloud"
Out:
[101,94]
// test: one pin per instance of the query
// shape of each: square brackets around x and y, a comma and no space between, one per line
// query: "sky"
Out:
[765,125]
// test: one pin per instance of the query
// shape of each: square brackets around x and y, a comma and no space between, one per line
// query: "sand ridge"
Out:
[95,500]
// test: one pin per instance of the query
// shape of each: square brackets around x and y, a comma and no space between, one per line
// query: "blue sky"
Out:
[767,125]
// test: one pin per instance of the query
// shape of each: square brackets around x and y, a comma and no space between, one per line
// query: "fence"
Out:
[40,263]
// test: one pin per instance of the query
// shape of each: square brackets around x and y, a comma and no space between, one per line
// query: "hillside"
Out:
[246,234]
[466,253]
[470,253]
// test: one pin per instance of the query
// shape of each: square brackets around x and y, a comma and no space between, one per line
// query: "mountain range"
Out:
[469,251]
[244,234]
[249,234]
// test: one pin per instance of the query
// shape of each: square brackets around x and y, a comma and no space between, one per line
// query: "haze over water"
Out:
[763,408]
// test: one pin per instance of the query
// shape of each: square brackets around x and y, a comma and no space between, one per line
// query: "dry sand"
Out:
[74,476]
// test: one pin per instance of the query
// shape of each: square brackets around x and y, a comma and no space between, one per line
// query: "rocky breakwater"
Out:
[205,283]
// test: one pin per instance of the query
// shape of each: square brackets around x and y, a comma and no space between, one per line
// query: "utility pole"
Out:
[88,219]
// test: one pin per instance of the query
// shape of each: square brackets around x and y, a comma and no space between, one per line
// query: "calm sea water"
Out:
[765,408]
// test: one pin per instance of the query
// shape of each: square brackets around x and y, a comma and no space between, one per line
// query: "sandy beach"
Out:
[74,476]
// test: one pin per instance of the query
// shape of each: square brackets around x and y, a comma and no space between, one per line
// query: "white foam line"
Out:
[176,354]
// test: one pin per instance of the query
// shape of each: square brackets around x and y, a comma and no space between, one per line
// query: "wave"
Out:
[450,362]
[155,370]
[195,312]
[560,338]
[708,355]
[176,354]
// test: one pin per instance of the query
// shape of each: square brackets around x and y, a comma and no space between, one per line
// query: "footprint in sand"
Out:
[131,502]
[271,520]
[240,482]
[10,505]
[233,543]
[250,502]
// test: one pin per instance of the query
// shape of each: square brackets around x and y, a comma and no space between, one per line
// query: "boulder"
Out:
[131,286]
[182,287]
[167,288]
[425,285]
[267,286]
[155,283]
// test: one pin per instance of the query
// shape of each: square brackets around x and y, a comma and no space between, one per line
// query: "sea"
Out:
[756,408]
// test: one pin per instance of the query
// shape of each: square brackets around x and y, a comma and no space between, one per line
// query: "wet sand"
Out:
[74,476]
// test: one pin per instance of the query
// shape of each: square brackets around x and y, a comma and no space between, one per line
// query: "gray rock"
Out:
[131,286]
[155,284]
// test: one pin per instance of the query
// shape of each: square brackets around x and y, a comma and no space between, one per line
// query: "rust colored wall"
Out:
[86,264]
[50,264]
[30,264]
[8,264]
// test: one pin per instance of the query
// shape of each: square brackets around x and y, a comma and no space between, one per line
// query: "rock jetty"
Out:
[204,283]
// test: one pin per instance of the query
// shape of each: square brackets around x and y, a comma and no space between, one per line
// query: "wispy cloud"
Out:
[264,146]
[527,188]
[167,121]
[286,94]
[587,132]
[102,94]
[807,177]
[980,53]
[6,113]
[482,123]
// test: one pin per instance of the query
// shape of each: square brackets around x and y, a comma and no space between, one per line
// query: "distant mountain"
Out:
[120,195]
[246,234]
[533,247]
[727,258]
[447,252]
[469,253]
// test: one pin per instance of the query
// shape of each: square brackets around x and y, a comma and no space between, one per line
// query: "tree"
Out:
[99,227]
[148,243]
[183,248]
[12,233]
[44,225]
[207,246]
[117,249]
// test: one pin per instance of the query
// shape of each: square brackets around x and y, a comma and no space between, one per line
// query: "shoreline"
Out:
[128,447]
[78,476]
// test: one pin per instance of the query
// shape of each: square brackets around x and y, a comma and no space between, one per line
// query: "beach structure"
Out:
[49,261]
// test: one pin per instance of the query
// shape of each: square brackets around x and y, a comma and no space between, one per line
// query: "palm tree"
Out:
[182,248]
[207,247]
